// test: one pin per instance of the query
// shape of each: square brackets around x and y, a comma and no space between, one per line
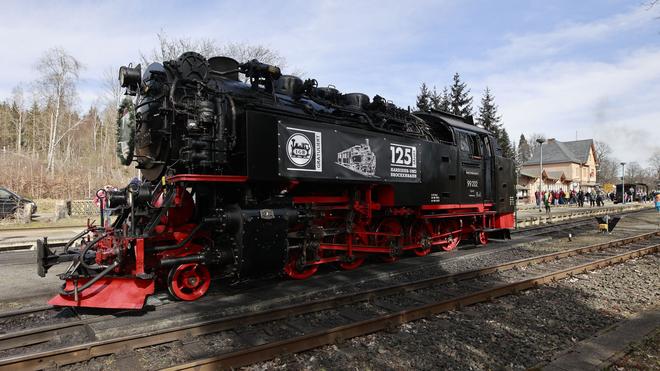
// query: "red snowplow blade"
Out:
[111,293]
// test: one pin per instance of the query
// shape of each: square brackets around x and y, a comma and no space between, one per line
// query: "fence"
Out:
[82,208]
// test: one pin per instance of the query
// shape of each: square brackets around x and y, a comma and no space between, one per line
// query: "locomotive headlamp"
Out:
[130,77]
[256,69]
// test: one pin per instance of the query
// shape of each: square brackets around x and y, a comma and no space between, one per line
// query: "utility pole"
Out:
[623,182]
[540,141]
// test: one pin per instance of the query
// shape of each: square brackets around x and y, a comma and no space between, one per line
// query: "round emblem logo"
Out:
[299,149]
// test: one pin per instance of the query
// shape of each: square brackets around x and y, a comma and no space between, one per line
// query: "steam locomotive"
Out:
[247,172]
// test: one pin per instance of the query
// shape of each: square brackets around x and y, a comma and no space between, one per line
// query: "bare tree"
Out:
[18,105]
[634,172]
[111,99]
[603,150]
[654,161]
[113,90]
[245,52]
[171,48]
[533,144]
[604,165]
[57,83]
[608,170]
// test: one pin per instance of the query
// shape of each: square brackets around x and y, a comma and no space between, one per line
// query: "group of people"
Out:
[638,195]
[595,197]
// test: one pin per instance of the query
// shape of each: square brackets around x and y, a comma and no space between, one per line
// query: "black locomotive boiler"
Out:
[274,175]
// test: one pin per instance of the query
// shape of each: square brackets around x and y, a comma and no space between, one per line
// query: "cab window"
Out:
[470,144]
[442,132]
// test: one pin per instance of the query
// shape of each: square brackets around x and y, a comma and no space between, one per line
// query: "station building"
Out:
[566,165]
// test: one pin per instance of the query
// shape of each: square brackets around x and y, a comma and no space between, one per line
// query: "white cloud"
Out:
[541,81]
[563,38]
[616,102]
[614,99]
[337,43]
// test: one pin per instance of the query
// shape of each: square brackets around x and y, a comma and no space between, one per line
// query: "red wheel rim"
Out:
[453,241]
[482,237]
[388,226]
[359,238]
[189,281]
[295,268]
[419,231]
[357,261]
[454,238]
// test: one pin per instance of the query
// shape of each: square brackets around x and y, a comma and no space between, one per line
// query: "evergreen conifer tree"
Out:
[460,99]
[505,143]
[444,100]
[488,117]
[423,98]
[490,120]
[435,99]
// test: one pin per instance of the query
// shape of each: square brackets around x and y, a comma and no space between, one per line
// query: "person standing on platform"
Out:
[537,195]
[592,198]
[580,198]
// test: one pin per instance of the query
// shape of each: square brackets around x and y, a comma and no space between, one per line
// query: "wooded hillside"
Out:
[47,148]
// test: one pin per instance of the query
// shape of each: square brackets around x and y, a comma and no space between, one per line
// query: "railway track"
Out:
[562,227]
[5,315]
[259,336]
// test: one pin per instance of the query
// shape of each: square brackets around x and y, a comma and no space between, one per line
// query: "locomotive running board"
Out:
[110,292]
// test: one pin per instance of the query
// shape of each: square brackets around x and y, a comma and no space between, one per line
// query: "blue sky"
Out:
[556,68]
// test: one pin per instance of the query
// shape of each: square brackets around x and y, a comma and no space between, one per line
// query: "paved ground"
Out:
[29,236]
[21,286]
[597,352]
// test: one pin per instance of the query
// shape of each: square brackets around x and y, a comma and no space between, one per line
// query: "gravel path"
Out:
[514,332]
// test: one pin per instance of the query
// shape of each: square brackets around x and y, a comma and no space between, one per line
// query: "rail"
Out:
[89,350]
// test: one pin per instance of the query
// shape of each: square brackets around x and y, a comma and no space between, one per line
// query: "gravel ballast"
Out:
[513,332]
[458,340]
